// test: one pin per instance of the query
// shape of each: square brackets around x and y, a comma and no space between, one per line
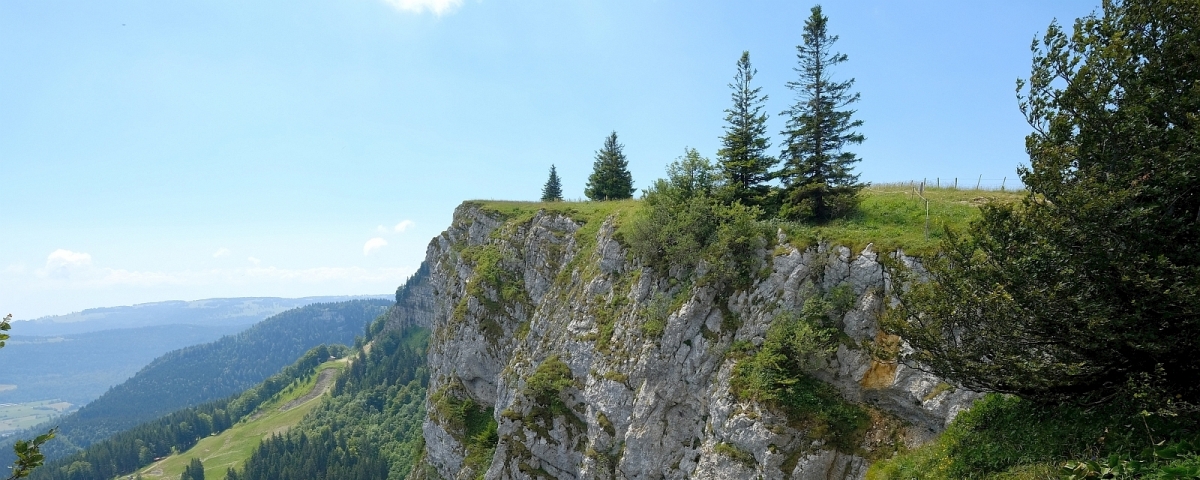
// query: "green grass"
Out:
[233,446]
[19,416]
[891,216]
[1004,437]
[584,212]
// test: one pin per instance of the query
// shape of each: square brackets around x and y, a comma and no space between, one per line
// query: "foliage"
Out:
[743,155]
[370,426]
[610,178]
[5,325]
[1004,436]
[29,455]
[775,375]
[126,451]
[817,178]
[552,190]
[682,223]
[202,373]
[1088,288]
[194,470]
[545,387]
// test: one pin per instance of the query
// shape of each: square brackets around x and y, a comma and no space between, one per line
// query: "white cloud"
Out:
[253,260]
[438,7]
[65,263]
[66,258]
[404,225]
[373,244]
[221,252]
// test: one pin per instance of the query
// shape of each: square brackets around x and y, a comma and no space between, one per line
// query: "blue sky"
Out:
[156,150]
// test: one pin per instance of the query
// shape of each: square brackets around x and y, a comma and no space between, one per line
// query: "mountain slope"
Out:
[181,430]
[212,312]
[78,368]
[201,373]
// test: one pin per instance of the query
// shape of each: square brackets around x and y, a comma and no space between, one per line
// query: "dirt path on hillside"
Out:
[324,381]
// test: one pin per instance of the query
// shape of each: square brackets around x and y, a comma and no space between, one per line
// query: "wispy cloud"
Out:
[221,252]
[404,225]
[437,7]
[253,260]
[63,263]
[373,244]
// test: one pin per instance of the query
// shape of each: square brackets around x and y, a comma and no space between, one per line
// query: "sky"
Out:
[156,150]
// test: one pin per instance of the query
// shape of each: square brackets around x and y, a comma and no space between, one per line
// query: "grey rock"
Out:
[644,405]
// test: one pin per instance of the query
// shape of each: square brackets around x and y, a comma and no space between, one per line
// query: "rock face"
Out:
[593,367]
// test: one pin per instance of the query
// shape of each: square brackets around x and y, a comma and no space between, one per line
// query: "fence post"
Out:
[977,182]
[1002,183]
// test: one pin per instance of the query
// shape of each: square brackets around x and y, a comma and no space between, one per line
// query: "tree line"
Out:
[202,373]
[369,427]
[811,179]
[127,451]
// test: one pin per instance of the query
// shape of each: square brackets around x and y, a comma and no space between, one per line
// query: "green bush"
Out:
[683,222]
[546,385]
[1006,437]
[774,375]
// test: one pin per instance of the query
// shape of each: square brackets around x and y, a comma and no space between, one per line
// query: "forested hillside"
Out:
[202,373]
[178,431]
[369,429]
[78,368]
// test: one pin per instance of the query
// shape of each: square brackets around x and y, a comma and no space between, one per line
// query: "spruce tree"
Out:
[552,191]
[194,470]
[817,173]
[610,178]
[743,154]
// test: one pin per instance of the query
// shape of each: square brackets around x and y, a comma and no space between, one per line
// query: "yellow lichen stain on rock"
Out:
[881,374]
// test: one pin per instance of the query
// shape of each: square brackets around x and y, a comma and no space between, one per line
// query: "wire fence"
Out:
[960,183]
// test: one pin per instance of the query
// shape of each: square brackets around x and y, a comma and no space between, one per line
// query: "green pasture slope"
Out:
[230,448]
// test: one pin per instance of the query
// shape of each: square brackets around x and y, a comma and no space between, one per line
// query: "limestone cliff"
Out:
[593,367]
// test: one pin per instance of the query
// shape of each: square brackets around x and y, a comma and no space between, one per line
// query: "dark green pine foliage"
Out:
[1090,288]
[125,452]
[743,154]
[194,470]
[610,178]
[818,179]
[369,428]
[552,191]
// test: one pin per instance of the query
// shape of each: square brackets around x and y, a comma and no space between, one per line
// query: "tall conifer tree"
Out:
[194,470]
[817,173]
[743,154]
[610,178]
[552,191]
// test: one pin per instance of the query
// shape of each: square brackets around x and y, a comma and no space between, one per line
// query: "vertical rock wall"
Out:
[593,367]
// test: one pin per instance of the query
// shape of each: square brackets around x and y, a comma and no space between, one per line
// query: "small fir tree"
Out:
[552,191]
[610,178]
[194,470]
[743,154]
[817,173]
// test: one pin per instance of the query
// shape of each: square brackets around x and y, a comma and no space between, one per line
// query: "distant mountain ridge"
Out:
[206,312]
[201,373]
